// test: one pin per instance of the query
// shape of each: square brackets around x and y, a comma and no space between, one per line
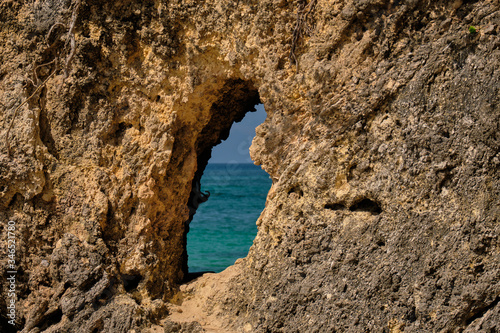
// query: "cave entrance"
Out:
[223,228]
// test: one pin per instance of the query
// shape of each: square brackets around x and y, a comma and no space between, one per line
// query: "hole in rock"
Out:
[366,205]
[235,191]
[296,189]
[131,282]
[335,206]
[51,318]
[98,326]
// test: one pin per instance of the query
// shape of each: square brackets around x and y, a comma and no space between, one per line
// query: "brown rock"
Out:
[381,140]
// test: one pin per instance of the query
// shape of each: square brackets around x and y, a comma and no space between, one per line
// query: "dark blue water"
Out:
[224,228]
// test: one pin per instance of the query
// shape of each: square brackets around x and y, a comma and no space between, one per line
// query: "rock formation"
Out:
[381,139]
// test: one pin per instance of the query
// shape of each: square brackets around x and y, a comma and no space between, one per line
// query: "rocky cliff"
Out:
[381,139]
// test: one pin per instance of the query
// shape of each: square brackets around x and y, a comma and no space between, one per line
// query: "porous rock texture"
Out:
[381,139]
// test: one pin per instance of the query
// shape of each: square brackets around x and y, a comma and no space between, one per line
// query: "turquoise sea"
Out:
[224,227]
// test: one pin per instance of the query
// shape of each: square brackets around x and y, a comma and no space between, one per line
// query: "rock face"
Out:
[381,139]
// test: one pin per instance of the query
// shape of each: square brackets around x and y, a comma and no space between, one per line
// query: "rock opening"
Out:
[366,205]
[131,282]
[224,227]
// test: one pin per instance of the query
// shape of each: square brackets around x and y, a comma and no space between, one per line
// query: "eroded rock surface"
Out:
[381,140]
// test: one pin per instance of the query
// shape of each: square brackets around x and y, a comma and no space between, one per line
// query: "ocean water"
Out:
[224,227]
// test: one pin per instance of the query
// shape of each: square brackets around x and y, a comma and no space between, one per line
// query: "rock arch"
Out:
[391,102]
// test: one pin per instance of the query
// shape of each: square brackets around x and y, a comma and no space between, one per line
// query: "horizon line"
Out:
[230,162]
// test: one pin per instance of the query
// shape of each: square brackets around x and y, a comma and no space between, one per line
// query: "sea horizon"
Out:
[224,227]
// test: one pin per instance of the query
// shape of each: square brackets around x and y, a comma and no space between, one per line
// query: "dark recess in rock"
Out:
[366,205]
[130,282]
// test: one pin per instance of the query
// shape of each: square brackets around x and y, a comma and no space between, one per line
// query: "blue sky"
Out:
[235,148]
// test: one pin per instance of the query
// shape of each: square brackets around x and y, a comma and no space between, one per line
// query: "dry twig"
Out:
[50,31]
[302,15]
[70,40]
[35,74]
[19,107]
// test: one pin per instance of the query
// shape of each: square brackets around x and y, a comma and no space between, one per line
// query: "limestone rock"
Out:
[381,139]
